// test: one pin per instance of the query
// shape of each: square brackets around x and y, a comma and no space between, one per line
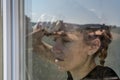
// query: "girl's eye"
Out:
[54,39]
[65,41]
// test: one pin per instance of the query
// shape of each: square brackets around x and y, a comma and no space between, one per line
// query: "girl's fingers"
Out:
[98,32]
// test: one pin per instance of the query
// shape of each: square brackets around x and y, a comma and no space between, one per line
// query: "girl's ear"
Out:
[94,46]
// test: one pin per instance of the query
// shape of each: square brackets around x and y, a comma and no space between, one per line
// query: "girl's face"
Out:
[70,51]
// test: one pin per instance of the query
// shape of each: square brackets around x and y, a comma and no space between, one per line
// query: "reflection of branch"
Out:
[42,49]
[47,45]
[28,74]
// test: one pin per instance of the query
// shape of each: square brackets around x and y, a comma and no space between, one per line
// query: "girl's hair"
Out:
[105,38]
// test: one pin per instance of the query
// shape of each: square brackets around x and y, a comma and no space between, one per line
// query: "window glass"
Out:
[47,14]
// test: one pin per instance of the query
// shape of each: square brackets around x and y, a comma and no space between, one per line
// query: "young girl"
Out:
[75,49]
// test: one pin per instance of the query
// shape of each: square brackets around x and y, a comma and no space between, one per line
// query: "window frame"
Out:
[13,40]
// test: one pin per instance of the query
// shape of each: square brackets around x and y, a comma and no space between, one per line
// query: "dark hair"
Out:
[105,38]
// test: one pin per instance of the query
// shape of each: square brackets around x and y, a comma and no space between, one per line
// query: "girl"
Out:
[75,49]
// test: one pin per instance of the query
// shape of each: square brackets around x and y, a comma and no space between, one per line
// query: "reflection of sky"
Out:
[77,11]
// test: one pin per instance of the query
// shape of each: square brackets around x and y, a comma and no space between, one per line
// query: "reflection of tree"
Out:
[28,27]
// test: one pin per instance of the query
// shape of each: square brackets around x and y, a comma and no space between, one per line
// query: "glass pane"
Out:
[56,55]
[1,47]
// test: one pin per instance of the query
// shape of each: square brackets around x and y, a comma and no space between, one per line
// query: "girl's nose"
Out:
[58,45]
[58,53]
[57,48]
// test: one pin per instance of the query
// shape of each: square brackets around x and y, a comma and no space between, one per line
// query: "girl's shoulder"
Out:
[102,72]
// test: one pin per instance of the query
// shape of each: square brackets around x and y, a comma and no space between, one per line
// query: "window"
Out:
[13,40]
[70,11]
[19,17]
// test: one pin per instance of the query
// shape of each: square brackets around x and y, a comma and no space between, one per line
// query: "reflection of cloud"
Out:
[54,18]
[42,17]
[93,10]
[99,17]
[36,17]
[46,17]
[34,14]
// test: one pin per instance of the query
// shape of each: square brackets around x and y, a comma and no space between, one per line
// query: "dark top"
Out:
[98,73]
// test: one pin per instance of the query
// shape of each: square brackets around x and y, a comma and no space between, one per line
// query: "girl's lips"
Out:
[58,56]
[58,59]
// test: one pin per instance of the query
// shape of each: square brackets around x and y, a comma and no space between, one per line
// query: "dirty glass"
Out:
[55,17]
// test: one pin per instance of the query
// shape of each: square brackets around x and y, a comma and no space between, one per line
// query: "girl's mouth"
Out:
[58,56]
[58,59]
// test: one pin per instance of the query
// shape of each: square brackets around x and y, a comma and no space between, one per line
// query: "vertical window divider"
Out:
[7,36]
[13,40]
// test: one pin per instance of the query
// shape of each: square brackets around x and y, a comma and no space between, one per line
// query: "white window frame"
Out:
[13,40]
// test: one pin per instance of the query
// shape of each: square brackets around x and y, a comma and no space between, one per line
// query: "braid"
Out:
[105,41]
[105,38]
[103,54]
